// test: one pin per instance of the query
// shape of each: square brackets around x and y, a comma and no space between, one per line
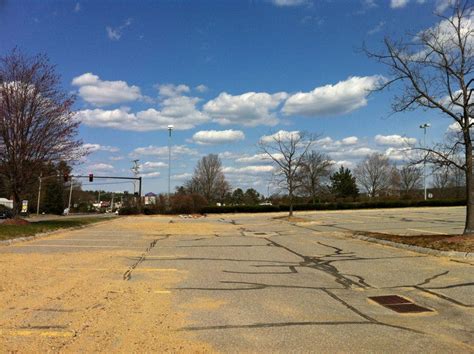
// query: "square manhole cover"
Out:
[399,304]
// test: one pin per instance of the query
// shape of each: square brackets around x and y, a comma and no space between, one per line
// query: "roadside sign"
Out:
[24,207]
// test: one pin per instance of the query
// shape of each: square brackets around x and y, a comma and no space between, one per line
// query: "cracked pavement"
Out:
[250,283]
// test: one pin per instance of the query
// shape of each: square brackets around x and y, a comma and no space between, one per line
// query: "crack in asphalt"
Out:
[128,273]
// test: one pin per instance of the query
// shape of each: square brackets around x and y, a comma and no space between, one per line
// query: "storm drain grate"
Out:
[399,304]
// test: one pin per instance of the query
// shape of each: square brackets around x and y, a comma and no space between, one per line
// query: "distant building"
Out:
[150,198]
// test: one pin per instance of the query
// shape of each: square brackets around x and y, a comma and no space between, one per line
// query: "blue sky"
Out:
[224,73]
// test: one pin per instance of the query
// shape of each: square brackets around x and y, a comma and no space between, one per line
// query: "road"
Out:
[229,283]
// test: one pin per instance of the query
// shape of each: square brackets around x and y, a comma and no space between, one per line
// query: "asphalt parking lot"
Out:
[403,221]
[236,283]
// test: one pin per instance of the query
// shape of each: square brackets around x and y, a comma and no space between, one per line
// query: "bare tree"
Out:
[287,150]
[315,169]
[208,179]
[441,177]
[410,178]
[436,69]
[374,174]
[36,120]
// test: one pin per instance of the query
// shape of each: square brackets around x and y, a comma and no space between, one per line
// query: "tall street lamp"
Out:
[170,128]
[424,127]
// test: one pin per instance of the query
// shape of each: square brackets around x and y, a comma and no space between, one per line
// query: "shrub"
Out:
[129,210]
[333,206]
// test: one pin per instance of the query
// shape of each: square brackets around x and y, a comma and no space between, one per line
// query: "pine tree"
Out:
[343,184]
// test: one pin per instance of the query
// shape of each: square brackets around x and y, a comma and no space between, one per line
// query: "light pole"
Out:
[170,128]
[424,127]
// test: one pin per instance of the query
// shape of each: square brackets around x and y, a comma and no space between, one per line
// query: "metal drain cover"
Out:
[399,304]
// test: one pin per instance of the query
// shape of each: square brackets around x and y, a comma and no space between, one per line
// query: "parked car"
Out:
[5,213]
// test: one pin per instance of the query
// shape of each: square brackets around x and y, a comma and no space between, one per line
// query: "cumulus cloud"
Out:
[343,97]
[180,111]
[350,140]
[258,158]
[101,93]
[171,90]
[100,167]
[201,88]
[162,151]
[353,152]
[150,165]
[212,137]
[281,135]
[394,140]
[97,147]
[249,109]
[252,170]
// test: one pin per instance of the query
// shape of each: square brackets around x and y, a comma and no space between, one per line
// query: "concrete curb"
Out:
[424,250]
[13,241]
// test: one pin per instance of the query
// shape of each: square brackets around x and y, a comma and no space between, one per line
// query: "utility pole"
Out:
[136,171]
[70,197]
[424,127]
[170,129]
[39,195]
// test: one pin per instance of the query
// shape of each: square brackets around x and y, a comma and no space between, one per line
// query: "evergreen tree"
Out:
[343,184]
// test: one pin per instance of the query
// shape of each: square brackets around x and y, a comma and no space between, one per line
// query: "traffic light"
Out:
[91,177]
[66,177]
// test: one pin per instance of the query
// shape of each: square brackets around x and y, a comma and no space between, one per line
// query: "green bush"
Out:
[332,206]
[129,211]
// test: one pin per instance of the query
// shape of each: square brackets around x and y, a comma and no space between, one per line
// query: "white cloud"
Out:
[115,34]
[401,154]
[343,97]
[150,175]
[350,140]
[163,151]
[100,93]
[171,90]
[258,158]
[249,109]
[282,135]
[252,170]
[150,165]
[377,28]
[210,137]
[397,4]
[98,147]
[179,111]
[201,88]
[345,163]
[282,3]
[353,152]
[77,8]
[442,5]
[100,167]
[394,140]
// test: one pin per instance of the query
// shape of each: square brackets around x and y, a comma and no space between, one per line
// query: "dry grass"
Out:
[438,242]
